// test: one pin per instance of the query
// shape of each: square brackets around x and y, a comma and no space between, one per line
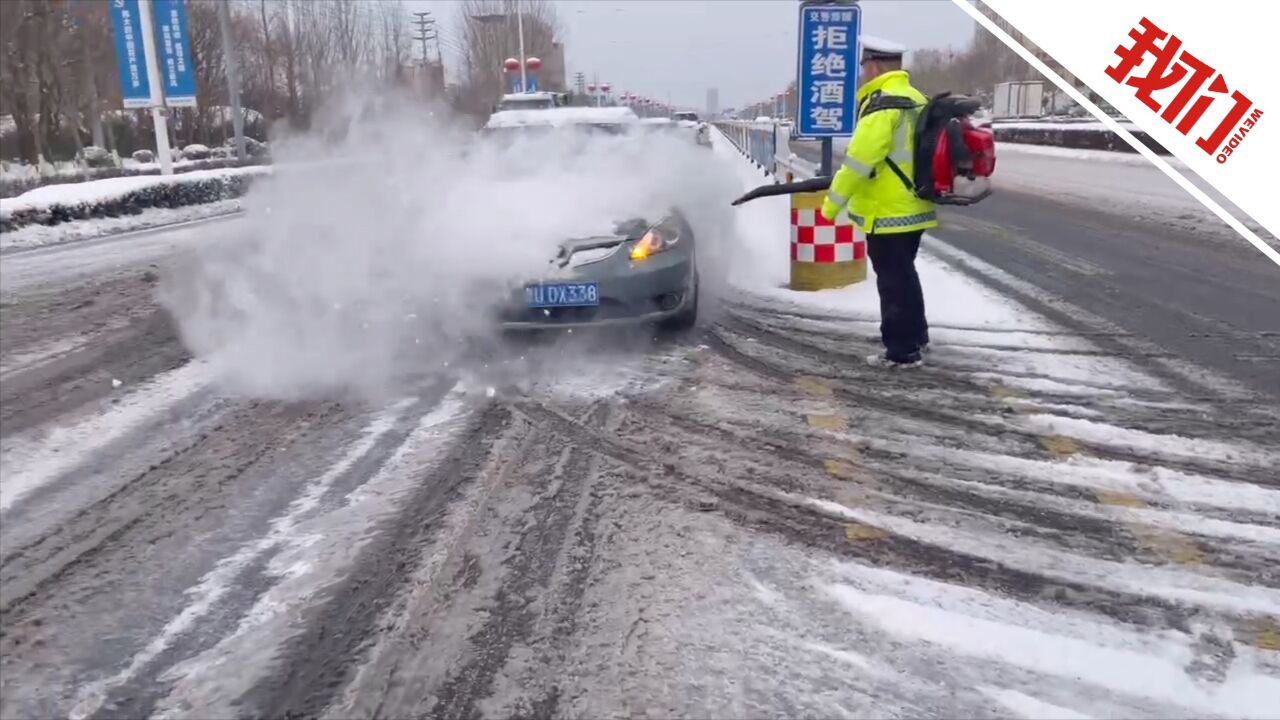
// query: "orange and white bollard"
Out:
[824,254]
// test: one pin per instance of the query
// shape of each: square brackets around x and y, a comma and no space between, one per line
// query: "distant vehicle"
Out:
[689,120]
[696,131]
[529,101]
[609,119]
[1018,100]
[640,271]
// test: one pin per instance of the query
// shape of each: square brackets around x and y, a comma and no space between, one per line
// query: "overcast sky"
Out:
[746,48]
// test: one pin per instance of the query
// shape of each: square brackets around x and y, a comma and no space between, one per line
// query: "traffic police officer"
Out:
[882,205]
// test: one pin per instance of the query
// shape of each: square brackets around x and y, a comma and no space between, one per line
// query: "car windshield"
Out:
[686,116]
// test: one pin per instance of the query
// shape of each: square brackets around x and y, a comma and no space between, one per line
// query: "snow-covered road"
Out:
[1123,243]
[1049,520]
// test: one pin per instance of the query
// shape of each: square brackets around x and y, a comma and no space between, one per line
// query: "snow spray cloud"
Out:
[387,233]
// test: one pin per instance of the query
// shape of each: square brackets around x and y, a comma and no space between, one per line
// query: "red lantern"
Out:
[511,65]
[591,87]
[604,88]
[533,64]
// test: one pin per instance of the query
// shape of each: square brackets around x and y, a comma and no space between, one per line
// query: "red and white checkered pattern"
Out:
[814,239]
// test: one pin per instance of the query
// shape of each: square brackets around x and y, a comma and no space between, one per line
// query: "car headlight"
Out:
[652,243]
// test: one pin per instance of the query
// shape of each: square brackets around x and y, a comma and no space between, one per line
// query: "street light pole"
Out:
[524,76]
[233,78]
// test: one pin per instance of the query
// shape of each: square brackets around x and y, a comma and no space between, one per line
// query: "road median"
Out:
[119,197]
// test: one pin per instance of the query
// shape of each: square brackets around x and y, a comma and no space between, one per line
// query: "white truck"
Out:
[1018,100]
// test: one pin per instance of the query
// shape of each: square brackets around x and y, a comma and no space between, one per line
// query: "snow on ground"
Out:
[109,189]
[134,164]
[1130,186]
[1185,504]
[764,269]
[29,461]
[303,547]
[33,236]
[1060,125]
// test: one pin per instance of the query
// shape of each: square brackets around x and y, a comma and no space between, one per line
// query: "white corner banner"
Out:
[1206,92]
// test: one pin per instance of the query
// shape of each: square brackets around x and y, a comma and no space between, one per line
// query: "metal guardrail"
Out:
[768,145]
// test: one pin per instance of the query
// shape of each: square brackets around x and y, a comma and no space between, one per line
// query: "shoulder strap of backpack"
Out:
[881,101]
[901,175]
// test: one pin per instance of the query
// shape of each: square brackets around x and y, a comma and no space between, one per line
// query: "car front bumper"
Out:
[630,294]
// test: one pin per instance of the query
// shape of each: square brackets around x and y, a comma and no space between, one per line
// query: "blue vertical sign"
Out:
[533,81]
[135,86]
[174,46]
[827,79]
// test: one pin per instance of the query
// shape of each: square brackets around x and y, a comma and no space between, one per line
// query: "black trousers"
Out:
[903,328]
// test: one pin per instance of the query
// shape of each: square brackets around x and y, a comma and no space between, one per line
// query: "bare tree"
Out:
[59,75]
[489,29]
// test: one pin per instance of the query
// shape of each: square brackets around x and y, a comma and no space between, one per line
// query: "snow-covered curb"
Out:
[1082,136]
[16,179]
[1108,156]
[116,197]
[36,236]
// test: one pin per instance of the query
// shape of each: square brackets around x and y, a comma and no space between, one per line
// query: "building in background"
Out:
[713,102]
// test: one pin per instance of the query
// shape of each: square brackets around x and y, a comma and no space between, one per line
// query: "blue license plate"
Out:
[562,295]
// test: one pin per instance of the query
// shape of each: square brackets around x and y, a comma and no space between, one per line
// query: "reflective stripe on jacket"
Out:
[878,201]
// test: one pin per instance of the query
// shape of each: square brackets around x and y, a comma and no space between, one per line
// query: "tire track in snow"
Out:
[28,463]
[733,344]
[772,510]
[134,690]
[318,661]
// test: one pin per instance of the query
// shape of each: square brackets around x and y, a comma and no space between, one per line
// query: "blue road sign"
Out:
[533,82]
[174,45]
[135,86]
[827,76]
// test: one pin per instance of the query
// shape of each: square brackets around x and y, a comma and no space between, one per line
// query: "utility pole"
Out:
[426,31]
[233,78]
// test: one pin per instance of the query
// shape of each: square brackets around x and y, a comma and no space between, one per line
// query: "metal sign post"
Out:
[827,73]
[158,111]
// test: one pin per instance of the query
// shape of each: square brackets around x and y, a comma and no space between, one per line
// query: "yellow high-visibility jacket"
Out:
[878,201]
